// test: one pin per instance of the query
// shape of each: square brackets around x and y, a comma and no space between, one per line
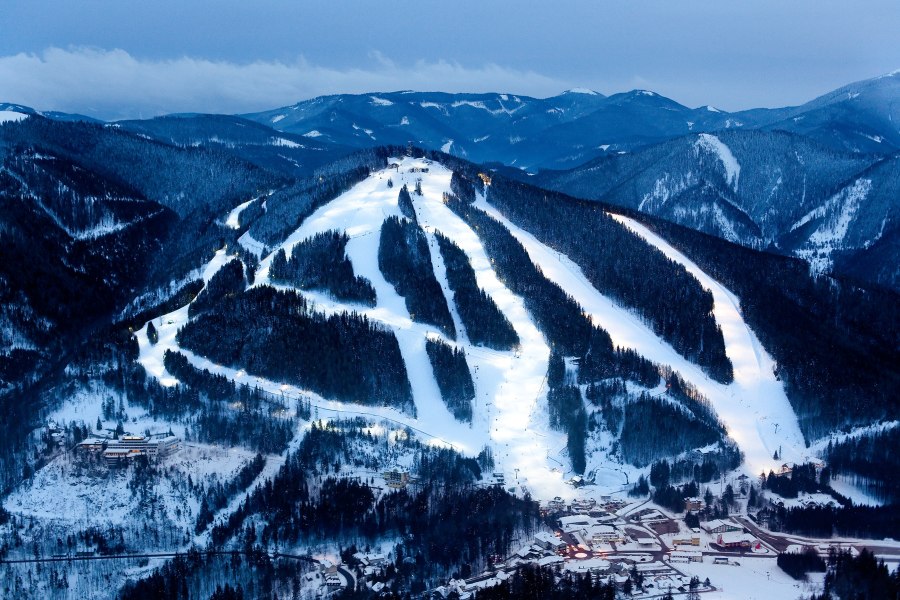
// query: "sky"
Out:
[126,58]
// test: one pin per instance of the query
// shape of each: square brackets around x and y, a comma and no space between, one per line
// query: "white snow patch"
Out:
[447,145]
[845,487]
[404,120]
[277,118]
[376,101]
[440,107]
[712,144]
[234,217]
[11,116]
[836,213]
[481,105]
[252,245]
[584,91]
[313,134]
[286,143]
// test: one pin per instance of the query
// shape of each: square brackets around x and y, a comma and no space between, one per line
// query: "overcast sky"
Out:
[127,58]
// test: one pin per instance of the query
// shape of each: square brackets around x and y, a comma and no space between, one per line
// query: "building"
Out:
[605,534]
[130,447]
[580,523]
[91,445]
[583,506]
[556,505]
[685,556]
[396,478]
[720,526]
[691,504]
[734,540]
[693,540]
[548,541]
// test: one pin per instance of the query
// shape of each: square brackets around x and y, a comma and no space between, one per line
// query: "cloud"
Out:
[114,84]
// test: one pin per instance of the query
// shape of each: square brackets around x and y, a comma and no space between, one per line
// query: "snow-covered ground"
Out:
[510,411]
[754,408]
[234,217]
[714,145]
[754,579]
[510,408]
[11,116]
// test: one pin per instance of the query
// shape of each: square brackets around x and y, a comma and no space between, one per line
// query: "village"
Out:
[645,550]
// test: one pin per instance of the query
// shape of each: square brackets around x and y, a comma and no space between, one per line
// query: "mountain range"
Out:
[818,181]
[309,306]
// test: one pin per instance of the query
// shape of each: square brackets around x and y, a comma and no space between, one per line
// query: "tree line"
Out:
[485,324]
[321,262]
[276,335]
[405,261]
[622,265]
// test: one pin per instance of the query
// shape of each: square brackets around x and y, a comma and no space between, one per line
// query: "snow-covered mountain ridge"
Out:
[506,382]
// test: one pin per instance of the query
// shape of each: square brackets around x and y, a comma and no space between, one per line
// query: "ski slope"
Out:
[510,412]
[754,408]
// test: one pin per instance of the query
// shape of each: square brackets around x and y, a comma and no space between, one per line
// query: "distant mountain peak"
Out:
[585,91]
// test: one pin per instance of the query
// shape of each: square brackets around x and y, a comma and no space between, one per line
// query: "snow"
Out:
[277,118]
[234,217]
[712,109]
[754,408]
[849,200]
[510,412]
[504,383]
[481,105]
[447,145]
[875,138]
[842,485]
[757,578]
[404,120]
[376,101]
[366,131]
[251,245]
[712,144]
[584,91]
[286,143]
[313,134]
[11,116]
[837,214]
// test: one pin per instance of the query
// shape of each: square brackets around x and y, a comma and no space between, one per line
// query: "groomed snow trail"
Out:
[510,387]
[754,408]
[510,413]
